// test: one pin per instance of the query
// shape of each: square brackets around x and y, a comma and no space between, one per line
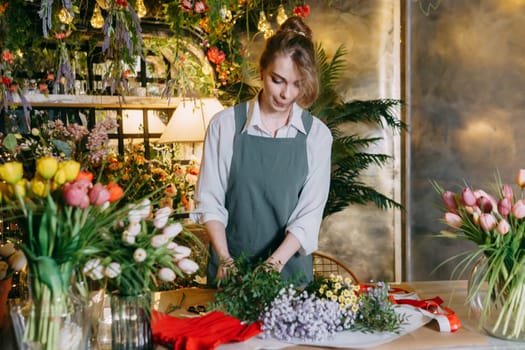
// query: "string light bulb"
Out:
[97,21]
[141,8]
[65,16]
[263,25]
[281,15]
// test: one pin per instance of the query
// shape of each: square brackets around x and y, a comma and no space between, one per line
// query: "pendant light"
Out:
[141,8]
[281,15]
[65,16]
[97,21]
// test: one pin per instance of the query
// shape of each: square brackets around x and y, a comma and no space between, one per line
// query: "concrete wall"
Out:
[364,237]
[467,82]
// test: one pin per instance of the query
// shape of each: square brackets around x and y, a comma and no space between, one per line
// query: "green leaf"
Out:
[49,274]
[63,147]
[10,142]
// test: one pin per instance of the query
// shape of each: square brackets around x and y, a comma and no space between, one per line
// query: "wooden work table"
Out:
[427,337]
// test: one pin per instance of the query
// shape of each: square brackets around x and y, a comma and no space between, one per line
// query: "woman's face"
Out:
[281,85]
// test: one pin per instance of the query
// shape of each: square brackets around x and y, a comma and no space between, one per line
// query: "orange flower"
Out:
[115,191]
[215,55]
[85,175]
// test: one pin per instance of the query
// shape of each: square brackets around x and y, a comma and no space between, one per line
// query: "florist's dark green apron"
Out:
[266,178]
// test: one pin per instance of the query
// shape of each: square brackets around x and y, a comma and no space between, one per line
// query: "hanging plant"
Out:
[122,44]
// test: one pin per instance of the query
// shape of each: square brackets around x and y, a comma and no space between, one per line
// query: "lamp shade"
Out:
[190,120]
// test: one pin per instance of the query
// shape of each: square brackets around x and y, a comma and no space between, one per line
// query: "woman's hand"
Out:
[226,266]
[274,263]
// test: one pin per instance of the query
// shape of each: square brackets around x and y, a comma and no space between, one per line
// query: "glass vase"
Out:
[130,322]
[499,306]
[57,323]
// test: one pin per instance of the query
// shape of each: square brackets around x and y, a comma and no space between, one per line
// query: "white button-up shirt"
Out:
[306,218]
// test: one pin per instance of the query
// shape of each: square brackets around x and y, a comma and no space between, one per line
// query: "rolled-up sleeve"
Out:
[305,221]
[213,175]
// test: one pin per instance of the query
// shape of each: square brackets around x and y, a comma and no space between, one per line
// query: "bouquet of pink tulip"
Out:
[496,224]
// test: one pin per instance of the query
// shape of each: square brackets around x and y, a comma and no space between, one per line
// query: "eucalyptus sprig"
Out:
[247,289]
[377,312]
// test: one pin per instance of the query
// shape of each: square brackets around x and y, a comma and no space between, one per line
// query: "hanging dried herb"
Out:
[122,44]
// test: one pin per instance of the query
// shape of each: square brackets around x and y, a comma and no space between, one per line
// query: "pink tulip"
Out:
[487,221]
[504,206]
[98,195]
[453,220]
[188,266]
[520,178]
[485,204]
[480,193]
[468,197]
[449,198]
[200,7]
[76,193]
[518,209]
[507,191]
[503,227]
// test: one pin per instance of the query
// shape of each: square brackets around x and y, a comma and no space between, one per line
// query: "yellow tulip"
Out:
[18,190]
[71,169]
[60,177]
[46,167]
[39,186]
[11,172]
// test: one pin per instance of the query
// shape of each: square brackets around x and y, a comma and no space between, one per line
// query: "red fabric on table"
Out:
[200,333]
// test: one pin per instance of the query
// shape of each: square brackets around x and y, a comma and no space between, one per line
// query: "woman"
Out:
[265,173]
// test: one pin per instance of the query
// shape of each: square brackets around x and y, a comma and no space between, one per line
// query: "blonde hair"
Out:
[294,38]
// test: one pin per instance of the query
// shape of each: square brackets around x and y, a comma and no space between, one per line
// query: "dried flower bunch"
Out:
[64,142]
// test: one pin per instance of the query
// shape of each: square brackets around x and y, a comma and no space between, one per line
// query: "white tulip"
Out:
[158,241]
[127,238]
[188,266]
[17,261]
[94,269]
[181,252]
[134,228]
[161,217]
[172,246]
[172,230]
[112,270]
[167,275]
[140,255]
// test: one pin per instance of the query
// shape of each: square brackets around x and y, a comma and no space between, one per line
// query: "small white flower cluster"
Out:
[158,251]
[295,314]
[11,260]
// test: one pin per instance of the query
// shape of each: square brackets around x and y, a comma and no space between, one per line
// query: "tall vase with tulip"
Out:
[60,212]
[496,224]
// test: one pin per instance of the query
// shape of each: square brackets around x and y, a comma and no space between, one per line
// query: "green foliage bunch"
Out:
[247,289]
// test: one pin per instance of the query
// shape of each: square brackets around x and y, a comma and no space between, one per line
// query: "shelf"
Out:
[101,101]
